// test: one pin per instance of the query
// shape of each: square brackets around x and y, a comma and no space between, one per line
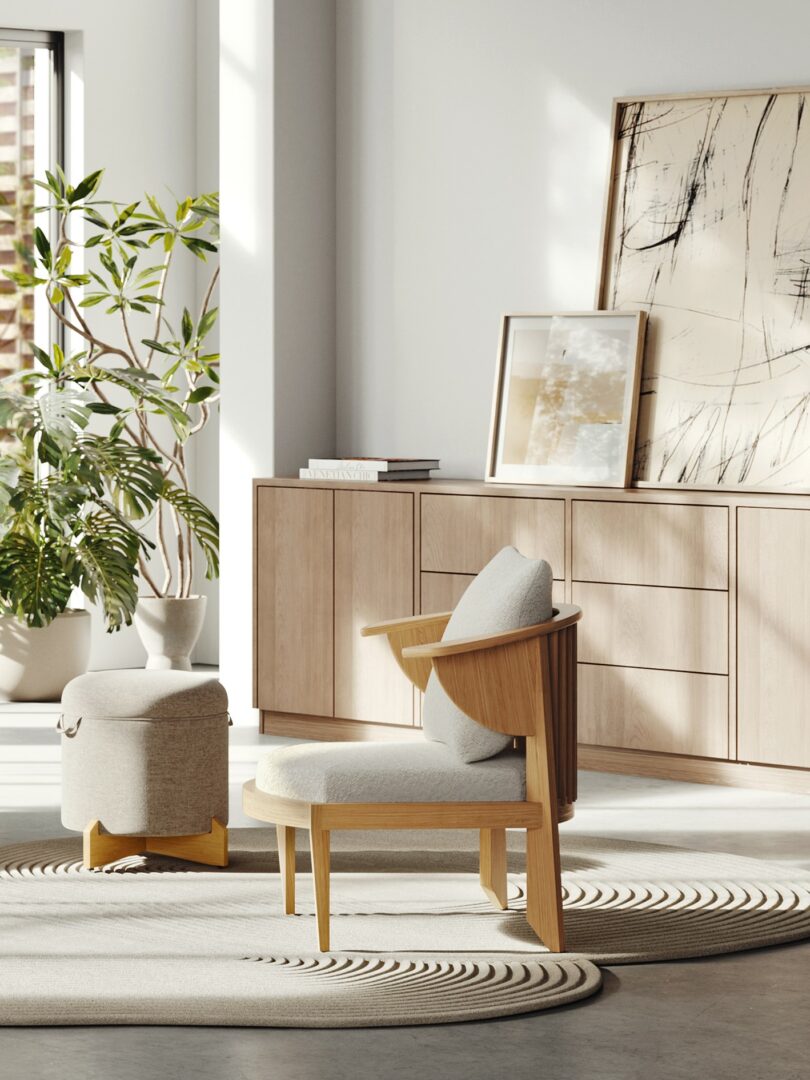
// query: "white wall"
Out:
[277,79]
[205,460]
[131,97]
[472,156]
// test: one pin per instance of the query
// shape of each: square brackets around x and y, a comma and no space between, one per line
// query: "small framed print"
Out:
[566,399]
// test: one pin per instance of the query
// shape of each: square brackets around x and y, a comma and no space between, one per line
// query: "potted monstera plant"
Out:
[152,375]
[66,500]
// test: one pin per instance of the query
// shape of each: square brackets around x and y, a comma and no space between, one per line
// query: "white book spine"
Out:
[338,474]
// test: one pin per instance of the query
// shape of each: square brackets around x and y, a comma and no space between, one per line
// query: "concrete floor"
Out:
[742,1017]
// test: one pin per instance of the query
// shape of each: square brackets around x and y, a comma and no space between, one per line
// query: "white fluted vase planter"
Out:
[37,662]
[168,629]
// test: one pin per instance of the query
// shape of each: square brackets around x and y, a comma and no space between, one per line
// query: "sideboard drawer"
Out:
[461,533]
[649,627]
[670,712]
[650,544]
[441,592]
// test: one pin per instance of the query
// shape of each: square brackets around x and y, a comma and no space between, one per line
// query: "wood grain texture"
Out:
[285,841]
[278,811]
[402,634]
[100,848]
[773,636]
[210,849]
[294,602]
[319,851]
[373,581]
[543,885]
[326,729]
[496,686]
[694,770]
[666,711]
[493,866]
[441,592]
[417,670]
[301,722]
[460,534]
[665,544]
[441,815]
[649,626]
[565,615]
[410,622]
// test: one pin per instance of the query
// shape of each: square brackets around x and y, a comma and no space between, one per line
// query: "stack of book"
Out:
[369,469]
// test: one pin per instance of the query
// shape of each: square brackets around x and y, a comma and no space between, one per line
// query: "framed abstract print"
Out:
[565,403]
[707,229]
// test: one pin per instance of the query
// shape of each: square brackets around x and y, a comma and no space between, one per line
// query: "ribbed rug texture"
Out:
[152,940]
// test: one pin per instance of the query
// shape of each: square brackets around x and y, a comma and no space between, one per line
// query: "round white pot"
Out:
[169,629]
[37,662]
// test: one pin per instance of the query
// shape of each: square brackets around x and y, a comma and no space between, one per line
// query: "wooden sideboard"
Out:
[694,647]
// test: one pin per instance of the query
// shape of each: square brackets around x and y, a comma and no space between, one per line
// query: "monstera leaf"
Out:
[105,565]
[34,584]
[204,526]
[132,474]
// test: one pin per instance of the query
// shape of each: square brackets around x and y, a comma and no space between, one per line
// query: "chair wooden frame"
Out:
[506,682]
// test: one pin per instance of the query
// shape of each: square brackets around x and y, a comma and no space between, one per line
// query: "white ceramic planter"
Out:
[169,629]
[37,662]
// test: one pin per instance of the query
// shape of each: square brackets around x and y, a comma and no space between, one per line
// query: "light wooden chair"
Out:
[520,683]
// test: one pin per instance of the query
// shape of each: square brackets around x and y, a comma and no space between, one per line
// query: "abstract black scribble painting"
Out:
[708,231]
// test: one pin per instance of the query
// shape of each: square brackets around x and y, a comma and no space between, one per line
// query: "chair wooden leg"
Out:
[286,864]
[319,847]
[543,888]
[493,866]
[543,885]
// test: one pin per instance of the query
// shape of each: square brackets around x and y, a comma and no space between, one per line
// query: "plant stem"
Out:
[163,550]
[147,576]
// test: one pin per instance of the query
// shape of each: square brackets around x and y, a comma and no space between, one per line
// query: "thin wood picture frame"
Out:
[747,432]
[582,426]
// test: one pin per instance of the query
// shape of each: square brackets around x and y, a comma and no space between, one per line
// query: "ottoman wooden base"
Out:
[102,847]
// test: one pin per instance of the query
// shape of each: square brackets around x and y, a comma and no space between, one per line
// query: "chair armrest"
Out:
[564,616]
[413,630]
[408,623]
[503,681]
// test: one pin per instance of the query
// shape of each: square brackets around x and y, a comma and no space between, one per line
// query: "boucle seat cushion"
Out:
[509,593]
[389,772]
[145,752]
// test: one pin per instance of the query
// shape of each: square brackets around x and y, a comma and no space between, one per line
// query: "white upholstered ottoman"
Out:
[145,765]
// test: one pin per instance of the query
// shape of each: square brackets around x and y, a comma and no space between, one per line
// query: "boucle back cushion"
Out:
[510,592]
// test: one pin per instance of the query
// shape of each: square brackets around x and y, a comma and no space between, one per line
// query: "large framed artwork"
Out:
[707,229]
[565,402]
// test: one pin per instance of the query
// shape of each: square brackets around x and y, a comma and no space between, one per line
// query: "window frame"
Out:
[54,42]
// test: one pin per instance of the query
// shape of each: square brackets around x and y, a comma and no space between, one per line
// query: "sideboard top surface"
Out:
[693,496]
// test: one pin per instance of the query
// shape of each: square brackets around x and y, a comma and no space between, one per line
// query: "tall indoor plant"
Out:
[158,385]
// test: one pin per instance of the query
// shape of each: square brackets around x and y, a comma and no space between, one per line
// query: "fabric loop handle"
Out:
[68,732]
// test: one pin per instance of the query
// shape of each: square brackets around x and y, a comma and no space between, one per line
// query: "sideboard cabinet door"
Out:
[773,630]
[374,581]
[294,601]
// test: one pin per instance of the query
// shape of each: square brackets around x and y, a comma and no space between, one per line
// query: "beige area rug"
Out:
[154,941]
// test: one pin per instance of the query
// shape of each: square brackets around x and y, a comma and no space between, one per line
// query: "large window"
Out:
[30,143]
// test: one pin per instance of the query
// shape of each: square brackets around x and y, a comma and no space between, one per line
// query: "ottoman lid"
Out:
[136,694]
